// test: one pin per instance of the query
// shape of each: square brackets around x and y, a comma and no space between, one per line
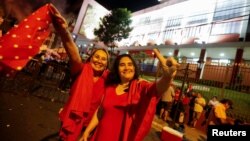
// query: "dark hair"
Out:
[113,76]
[228,101]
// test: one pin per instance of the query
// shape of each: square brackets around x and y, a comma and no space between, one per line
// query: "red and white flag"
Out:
[23,41]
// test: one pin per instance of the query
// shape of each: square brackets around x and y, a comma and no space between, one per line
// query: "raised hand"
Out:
[169,65]
[60,24]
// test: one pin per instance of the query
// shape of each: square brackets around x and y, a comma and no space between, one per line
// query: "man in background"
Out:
[166,102]
[219,116]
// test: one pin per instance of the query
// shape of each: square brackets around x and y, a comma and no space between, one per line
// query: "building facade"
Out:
[211,37]
[182,28]
[215,32]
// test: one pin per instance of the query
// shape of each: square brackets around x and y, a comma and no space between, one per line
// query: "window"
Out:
[153,36]
[169,34]
[143,21]
[200,18]
[229,9]
[174,21]
[226,28]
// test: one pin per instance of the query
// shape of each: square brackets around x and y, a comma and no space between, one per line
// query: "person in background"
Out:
[87,78]
[183,108]
[185,102]
[213,101]
[129,103]
[167,101]
[211,104]
[177,94]
[191,107]
[219,115]
[189,90]
[199,104]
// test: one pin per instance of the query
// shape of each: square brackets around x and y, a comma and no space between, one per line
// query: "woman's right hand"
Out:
[85,136]
[60,24]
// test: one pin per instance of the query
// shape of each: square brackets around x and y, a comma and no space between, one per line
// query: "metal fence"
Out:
[48,80]
[51,81]
[219,81]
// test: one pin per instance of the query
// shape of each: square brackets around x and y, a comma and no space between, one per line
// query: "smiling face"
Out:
[126,69]
[99,61]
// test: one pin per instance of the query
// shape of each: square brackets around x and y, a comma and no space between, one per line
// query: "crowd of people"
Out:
[184,108]
[193,107]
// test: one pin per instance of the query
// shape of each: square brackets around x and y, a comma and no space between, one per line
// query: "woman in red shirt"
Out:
[129,103]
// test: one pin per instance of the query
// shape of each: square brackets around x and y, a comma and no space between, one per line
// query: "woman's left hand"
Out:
[169,65]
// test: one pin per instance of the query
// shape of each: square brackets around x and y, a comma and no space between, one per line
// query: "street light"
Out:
[74,36]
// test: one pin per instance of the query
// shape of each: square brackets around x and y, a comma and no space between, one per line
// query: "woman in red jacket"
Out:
[88,78]
[129,103]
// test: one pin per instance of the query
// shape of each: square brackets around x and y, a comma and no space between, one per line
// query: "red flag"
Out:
[23,41]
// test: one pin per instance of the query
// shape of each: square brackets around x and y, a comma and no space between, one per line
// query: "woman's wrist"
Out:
[167,77]
[63,31]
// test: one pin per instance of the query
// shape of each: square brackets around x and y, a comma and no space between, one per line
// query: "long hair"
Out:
[113,76]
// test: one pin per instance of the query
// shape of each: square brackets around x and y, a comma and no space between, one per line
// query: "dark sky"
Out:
[16,10]
[132,5]
[22,8]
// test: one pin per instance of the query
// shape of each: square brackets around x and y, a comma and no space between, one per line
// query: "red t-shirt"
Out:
[110,124]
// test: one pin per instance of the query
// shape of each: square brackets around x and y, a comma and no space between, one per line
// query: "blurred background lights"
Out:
[222,54]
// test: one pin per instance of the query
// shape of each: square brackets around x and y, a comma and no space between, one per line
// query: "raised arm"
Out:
[169,67]
[61,26]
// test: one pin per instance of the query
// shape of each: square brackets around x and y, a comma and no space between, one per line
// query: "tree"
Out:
[114,27]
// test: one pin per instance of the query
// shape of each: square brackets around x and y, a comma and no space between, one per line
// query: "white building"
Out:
[205,30]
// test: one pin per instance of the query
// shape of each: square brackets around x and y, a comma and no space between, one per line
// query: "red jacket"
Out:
[142,99]
[79,109]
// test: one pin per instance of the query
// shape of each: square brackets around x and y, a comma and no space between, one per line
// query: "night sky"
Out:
[19,9]
[132,5]
[25,7]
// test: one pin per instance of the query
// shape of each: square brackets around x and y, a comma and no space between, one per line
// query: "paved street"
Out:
[29,118]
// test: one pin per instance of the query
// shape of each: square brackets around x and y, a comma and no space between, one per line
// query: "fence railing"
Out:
[219,81]
[49,80]
[231,81]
